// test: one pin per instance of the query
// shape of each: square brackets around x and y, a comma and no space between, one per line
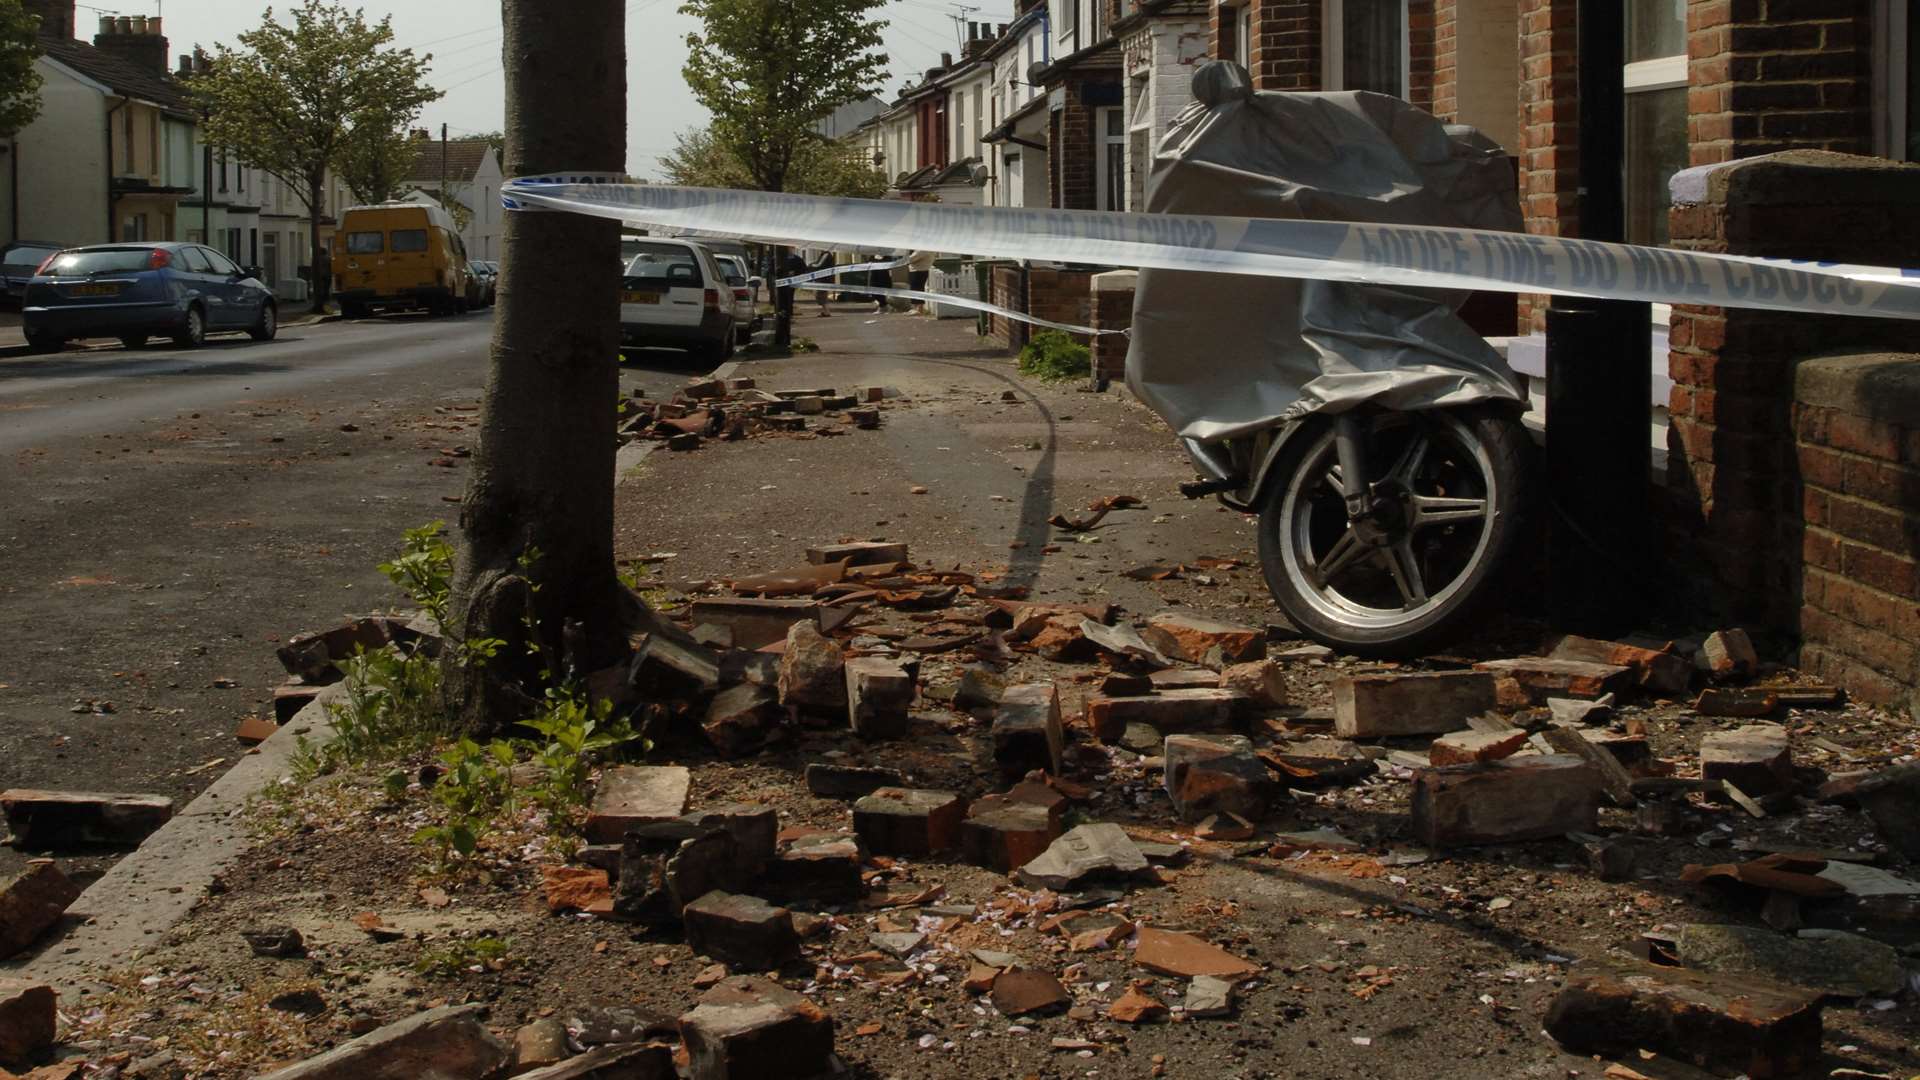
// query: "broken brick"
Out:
[1655,670]
[1194,639]
[1209,996]
[539,1044]
[751,1028]
[1262,681]
[622,1061]
[27,1018]
[1755,758]
[1614,778]
[824,867]
[1725,1023]
[1541,678]
[52,820]
[740,719]
[289,699]
[1171,953]
[448,1041]
[812,671]
[1001,834]
[879,693]
[909,821]
[1021,992]
[755,623]
[1098,852]
[863,553]
[1026,730]
[1197,709]
[255,730]
[753,828]
[1516,798]
[1892,799]
[1421,703]
[1728,654]
[1749,702]
[631,795]
[574,888]
[1136,1007]
[1184,678]
[743,931]
[1467,747]
[849,781]
[32,903]
[1208,774]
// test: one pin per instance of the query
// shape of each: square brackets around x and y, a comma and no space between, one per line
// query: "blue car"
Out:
[137,291]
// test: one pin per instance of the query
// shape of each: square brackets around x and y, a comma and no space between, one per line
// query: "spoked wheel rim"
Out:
[196,327]
[1441,495]
[269,323]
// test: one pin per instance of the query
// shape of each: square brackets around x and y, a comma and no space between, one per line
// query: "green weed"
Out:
[1052,356]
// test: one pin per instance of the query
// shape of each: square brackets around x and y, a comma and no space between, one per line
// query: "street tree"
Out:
[770,70]
[373,158]
[19,82]
[820,167]
[536,569]
[287,99]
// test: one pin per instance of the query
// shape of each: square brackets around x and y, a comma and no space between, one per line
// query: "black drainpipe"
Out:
[113,219]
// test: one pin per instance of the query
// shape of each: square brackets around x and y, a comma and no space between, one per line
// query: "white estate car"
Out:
[675,296]
[746,296]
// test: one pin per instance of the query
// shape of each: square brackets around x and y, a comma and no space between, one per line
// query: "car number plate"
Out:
[630,297]
[94,290]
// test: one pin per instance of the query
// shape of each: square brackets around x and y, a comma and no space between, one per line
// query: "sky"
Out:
[464,38]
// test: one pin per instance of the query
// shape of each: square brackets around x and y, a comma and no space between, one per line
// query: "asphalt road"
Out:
[168,517]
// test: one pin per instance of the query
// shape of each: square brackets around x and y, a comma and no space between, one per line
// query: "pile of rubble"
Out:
[734,409]
[1555,746]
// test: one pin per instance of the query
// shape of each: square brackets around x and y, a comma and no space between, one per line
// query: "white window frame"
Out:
[1892,110]
[1333,65]
[1243,35]
[1643,76]
[1104,197]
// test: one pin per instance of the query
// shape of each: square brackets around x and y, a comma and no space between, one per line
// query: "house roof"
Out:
[463,158]
[117,73]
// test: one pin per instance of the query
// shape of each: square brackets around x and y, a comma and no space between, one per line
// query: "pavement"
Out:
[173,515]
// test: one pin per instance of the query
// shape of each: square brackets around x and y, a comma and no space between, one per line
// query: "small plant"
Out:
[480,954]
[1052,356]
[803,344]
[474,791]
[424,570]
[392,708]
[575,731]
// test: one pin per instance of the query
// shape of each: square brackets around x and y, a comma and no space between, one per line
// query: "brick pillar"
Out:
[1422,52]
[1549,145]
[1070,157]
[1286,44]
[1771,75]
[1735,487]
[1112,310]
[1446,60]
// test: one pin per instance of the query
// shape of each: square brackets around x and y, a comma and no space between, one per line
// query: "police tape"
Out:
[835,271]
[1404,255]
[949,300]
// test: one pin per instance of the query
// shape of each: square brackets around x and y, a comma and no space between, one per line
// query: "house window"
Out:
[1243,36]
[1656,85]
[1111,153]
[270,257]
[126,137]
[1069,17]
[1896,79]
[1366,46]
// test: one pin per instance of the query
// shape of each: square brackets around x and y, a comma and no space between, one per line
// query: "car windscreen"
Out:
[25,254]
[366,243]
[665,266]
[102,261]
[730,266]
[405,240]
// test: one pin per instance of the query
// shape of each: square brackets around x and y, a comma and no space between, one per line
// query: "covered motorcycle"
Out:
[1373,431]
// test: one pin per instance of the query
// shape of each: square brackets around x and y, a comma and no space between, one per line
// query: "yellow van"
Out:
[399,255]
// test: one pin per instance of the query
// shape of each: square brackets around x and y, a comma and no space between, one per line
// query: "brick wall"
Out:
[1070,157]
[1004,282]
[1287,50]
[1549,130]
[1751,482]
[1063,296]
[1422,52]
[1769,75]
[1856,421]
[1446,59]
[1112,310]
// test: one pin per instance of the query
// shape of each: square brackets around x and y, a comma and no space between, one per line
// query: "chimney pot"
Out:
[137,24]
[946,59]
[106,24]
[123,25]
[153,24]
[56,17]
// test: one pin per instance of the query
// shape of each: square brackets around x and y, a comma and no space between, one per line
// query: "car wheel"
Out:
[353,311]
[194,333]
[268,324]
[133,341]
[42,343]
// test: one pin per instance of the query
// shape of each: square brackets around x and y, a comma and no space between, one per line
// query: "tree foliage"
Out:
[820,167]
[770,70]
[288,99]
[19,82]
[374,157]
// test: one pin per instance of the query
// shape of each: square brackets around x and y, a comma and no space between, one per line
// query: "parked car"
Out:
[488,272]
[399,256]
[674,295]
[19,260]
[137,291]
[746,296]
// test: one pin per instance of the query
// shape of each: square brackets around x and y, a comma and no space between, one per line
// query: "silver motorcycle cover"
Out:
[1224,355]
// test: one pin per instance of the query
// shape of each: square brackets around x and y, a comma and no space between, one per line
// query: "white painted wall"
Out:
[63,171]
[1158,61]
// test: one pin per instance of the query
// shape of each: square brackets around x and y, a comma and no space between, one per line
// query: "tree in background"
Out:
[536,570]
[374,156]
[19,83]
[820,167]
[770,70]
[289,97]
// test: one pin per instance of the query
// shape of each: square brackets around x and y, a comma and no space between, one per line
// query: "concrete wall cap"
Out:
[1116,281]
[1798,178]
[1878,385]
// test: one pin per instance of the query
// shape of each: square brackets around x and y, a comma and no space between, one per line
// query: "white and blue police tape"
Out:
[1408,255]
[967,302]
[835,271]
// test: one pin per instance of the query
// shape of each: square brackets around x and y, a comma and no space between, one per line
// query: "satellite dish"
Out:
[1035,71]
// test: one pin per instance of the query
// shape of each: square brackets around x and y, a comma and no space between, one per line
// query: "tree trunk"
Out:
[319,273]
[536,566]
